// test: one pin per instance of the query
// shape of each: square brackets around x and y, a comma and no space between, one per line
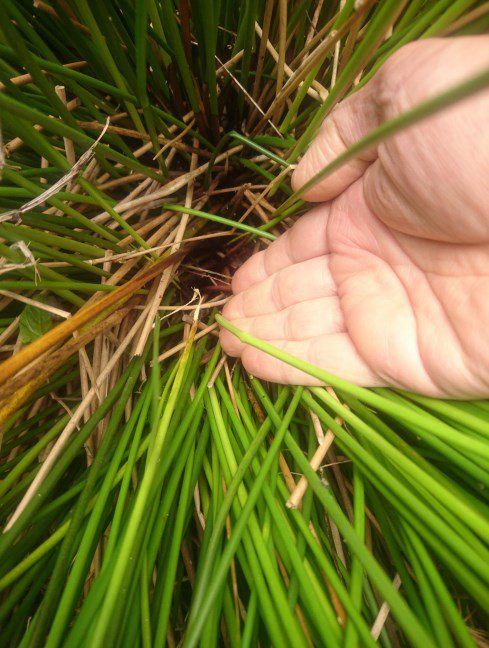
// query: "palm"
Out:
[360,299]
[414,308]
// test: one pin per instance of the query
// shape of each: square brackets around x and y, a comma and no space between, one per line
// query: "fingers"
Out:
[332,353]
[305,240]
[351,120]
[294,284]
[301,321]
[412,74]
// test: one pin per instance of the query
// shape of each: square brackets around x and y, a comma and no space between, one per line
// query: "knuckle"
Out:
[292,326]
[394,83]
[278,293]
[290,244]
[281,289]
[378,193]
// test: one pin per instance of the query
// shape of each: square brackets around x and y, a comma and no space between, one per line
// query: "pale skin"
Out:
[386,281]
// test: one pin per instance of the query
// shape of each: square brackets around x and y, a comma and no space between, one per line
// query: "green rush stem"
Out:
[155,374]
[109,209]
[36,190]
[45,284]
[106,56]
[315,601]
[467,466]
[382,18]
[406,619]
[124,474]
[254,534]
[323,616]
[356,579]
[51,597]
[317,551]
[257,147]
[393,546]
[172,561]
[252,546]
[428,484]
[31,455]
[72,587]
[62,72]
[442,538]
[145,612]
[465,550]
[28,234]
[425,421]
[301,93]
[250,621]
[450,411]
[392,126]
[220,219]
[34,116]
[110,601]
[208,588]
[430,599]
[452,614]
[7,538]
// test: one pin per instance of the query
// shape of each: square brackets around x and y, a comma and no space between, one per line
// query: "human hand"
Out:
[387,282]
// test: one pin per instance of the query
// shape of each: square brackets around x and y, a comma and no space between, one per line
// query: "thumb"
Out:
[348,122]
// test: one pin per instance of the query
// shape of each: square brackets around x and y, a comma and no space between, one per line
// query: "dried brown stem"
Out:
[53,337]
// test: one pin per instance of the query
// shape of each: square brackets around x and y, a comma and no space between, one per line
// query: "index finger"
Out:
[305,240]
